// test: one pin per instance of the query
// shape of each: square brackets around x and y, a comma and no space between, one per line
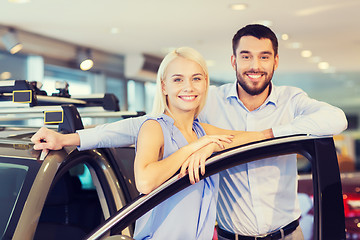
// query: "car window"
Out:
[12,177]
[72,208]
[124,158]
[305,196]
[328,220]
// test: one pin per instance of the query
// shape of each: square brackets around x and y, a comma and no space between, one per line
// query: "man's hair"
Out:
[258,31]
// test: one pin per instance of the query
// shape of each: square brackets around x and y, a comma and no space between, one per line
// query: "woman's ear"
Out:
[163,88]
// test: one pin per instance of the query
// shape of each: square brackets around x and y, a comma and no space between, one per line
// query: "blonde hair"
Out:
[160,104]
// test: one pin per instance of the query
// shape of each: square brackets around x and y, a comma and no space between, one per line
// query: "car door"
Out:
[85,192]
[320,151]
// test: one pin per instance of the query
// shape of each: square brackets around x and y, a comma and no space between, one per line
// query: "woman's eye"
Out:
[177,80]
[197,79]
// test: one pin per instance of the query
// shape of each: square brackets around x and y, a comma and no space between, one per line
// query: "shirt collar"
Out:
[272,98]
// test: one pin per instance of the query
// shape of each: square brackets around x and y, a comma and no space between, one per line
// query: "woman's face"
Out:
[184,85]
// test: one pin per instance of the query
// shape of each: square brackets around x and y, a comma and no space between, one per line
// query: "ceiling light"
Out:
[323,65]
[11,41]
[5,75]
[284,37]
[238,6]
[19,1]
[114,30]
[306,53]
[294,45]
[315,59]
[84,59]
[330,70]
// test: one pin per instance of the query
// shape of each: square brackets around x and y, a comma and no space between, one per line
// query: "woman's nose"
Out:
[189,86]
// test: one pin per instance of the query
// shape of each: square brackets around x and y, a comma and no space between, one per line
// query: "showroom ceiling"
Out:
[327,28]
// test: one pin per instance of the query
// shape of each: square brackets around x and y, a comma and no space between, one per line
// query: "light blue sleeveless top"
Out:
[189,214]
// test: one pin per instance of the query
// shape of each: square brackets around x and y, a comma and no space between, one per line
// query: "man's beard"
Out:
[251,90]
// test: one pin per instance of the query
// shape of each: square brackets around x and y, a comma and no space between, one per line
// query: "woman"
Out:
[172,138]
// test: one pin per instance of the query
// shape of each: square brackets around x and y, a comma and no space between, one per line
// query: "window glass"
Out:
[305,196]
[12,66]
[77,80]
[118,88]
[12,177]
[72,207]
[136,96]
[150,90]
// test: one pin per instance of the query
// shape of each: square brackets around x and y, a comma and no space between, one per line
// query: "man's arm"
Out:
[313,117]
[117,134]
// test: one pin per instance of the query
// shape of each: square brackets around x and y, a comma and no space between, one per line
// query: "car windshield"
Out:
[12,178]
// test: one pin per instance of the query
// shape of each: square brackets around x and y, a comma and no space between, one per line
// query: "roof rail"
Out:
[60,110]
[22,91]
[65,116]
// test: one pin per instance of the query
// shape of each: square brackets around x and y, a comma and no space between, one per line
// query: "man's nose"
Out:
[255,63]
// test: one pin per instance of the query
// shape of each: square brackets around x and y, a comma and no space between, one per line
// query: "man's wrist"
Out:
[268,133]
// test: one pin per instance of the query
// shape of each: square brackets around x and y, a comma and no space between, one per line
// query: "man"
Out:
[257,198]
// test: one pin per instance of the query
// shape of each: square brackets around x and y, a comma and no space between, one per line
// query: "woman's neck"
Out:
[184,122]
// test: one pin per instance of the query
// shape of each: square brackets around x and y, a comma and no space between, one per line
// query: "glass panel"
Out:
[12,66]
[136,96]
[305,196]
[150,89]
[78,80]
[72,207]
[12,177]
[117,87]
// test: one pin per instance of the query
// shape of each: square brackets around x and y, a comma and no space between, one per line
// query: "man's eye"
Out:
[245,57]
[265,57]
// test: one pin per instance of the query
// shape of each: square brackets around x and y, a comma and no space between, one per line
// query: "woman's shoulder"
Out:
[151,124]
[157,123]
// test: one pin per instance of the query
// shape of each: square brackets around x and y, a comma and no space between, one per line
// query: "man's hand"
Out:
[268,133]
[48,139]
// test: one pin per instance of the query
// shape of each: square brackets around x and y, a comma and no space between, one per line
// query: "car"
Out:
[65,193]
[329,218]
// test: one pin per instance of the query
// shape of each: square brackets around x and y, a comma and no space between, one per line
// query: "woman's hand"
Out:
[198,158]
[219,140]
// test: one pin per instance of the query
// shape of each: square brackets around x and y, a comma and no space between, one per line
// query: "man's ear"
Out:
[233,61]
[276,64]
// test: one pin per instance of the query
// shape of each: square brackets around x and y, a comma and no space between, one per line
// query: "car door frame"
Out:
[329,220]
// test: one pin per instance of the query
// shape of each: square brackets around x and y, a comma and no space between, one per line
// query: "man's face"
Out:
[254,64]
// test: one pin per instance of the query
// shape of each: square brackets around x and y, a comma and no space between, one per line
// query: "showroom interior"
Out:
[319,48]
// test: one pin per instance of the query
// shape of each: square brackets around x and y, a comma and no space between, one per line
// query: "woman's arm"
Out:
[198,158]
[150,171]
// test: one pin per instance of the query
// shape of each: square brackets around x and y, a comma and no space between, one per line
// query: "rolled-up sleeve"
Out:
[117,134]
[313,117]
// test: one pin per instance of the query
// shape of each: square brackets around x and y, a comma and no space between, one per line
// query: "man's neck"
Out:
[253,102]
